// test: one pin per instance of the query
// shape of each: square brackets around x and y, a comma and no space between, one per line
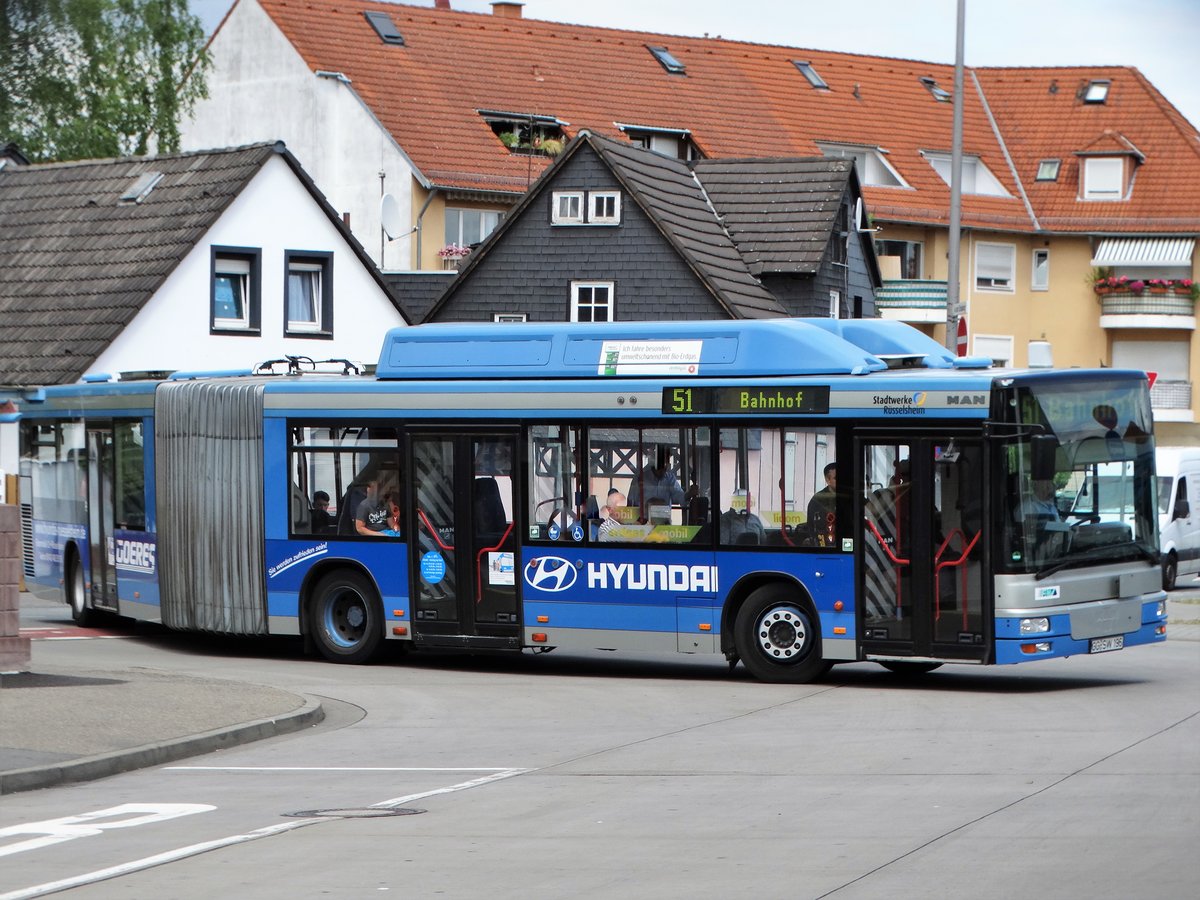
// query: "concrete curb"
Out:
[89,768]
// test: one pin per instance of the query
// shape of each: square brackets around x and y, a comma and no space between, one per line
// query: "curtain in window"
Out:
[302,293]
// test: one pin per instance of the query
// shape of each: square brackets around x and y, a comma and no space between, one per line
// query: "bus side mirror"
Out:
[1043,449]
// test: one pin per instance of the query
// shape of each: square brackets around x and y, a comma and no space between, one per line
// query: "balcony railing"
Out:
[1147,303]
[912,300]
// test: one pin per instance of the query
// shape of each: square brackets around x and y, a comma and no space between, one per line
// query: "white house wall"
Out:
[261,90]
[275,213]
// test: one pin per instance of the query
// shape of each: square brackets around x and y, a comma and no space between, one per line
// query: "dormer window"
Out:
[1103,178]
[873,168]
[1048,169]
[940,94]
[1096,91]
[668,62]
[977,178]
[527,134]
[673,142]
[807,70]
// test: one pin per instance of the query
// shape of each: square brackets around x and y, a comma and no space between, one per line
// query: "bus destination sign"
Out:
[752,399]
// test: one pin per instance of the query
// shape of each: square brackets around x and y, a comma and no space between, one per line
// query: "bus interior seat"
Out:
[697,511]
[348,507]
[746,537]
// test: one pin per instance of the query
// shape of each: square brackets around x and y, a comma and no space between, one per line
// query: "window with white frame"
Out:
[465,227]
[977,178]
[591,301]
[508,317]
[873,168]
[994,266]
[996,347]
[566,208]
[308,300]
[604,207]
[235,303]
[835,304]
[1040,276]
[1103,178]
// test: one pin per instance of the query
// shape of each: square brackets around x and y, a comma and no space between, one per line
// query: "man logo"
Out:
[550,573]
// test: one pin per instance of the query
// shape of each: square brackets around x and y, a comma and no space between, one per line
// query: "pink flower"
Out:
[1137,286]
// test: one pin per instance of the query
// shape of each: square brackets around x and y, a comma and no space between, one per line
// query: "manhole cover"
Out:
[360,812]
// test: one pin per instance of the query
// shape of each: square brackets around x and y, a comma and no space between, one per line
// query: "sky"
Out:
[1159,37]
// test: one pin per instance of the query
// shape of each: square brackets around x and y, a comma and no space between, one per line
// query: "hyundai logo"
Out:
[550,573]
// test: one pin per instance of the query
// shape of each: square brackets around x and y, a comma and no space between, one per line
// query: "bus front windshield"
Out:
[1078,482]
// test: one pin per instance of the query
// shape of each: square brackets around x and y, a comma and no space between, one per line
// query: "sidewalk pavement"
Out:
[61,724]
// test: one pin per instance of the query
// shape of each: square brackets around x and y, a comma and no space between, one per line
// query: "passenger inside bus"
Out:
[822,509]
[322,521]
[370,518]
[739,524]
[660,482]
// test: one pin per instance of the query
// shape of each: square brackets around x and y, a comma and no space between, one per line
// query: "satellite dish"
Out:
[389,215]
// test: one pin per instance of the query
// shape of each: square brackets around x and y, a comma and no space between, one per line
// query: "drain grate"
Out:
[359,812]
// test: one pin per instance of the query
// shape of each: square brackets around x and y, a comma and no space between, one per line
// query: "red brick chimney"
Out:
[441,4]
[507,9]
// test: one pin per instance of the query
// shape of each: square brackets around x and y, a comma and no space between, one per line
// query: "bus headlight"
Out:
[1161,609]
[1035,626]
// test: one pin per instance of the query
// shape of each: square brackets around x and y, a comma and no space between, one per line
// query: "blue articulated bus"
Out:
[789,493]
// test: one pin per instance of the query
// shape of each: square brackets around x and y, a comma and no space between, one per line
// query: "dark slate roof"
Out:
[670,195]
[77,263]
[779,212]
[418,291]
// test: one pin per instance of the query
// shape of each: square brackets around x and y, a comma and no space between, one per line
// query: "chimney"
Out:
[507,9]
[441,4]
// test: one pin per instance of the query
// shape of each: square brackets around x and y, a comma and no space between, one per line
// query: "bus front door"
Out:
[100,518]
[921,573]
[463,553]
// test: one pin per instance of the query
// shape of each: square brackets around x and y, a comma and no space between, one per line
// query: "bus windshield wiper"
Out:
[1098,553]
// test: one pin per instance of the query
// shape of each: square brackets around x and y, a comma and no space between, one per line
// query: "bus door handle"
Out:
[898,561]
[952,564]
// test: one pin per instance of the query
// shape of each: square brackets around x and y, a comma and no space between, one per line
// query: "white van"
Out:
[1178,512]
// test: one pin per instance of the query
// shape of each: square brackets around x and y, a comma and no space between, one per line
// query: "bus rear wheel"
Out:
[777,636]
[84,615]
[346,620]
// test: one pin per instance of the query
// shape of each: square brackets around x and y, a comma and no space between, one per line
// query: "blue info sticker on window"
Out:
[433,567]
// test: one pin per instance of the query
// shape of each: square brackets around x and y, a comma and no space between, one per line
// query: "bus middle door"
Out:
[100,517]
[922,548]
[462,499]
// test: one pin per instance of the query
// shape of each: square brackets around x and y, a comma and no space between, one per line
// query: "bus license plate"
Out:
[1102,645]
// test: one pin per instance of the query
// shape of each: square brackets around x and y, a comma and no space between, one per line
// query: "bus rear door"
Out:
[921,572]
[463,497]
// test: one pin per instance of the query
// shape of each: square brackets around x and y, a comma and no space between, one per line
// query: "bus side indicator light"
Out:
[839,629]
[400,630]
[838,605]
[539,637]
[704,626]
[543,619]
[1040,647]
[398,613]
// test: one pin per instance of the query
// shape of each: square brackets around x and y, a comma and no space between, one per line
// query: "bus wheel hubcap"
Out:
[781,632]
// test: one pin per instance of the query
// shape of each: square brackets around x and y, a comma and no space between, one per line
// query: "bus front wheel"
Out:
[777,637]
[83,614]
[346,620]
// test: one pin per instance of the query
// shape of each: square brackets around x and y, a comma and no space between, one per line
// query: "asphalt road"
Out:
[618,776]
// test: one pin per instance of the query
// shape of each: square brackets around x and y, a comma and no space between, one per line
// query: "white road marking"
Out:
[341,769]
[179,853]
[68,828]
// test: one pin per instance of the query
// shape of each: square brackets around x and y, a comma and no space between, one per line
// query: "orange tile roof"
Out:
[743,99]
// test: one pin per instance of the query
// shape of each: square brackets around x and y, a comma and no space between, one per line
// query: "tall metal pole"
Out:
[954,308]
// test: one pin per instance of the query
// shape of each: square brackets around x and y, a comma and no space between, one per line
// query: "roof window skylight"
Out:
[669,62]
[142,186]
[385,27]
[1096,91]
[807,70]
[1048,169]
[940,94]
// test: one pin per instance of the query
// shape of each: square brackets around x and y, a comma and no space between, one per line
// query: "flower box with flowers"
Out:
[452,254]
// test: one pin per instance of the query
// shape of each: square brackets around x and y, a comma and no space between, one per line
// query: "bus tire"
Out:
[778,638]
[907,669]
[346,620]
[84,615]
[1170,570]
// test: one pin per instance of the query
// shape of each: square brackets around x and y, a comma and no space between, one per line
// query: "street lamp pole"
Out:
[954,308]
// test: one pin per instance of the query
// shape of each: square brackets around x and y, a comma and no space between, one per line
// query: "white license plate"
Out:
[1102,645]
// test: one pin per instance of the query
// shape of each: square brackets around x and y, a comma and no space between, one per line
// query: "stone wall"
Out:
[14,649]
